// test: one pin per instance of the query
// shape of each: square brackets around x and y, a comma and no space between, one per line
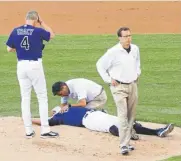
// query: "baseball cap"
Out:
[57,86]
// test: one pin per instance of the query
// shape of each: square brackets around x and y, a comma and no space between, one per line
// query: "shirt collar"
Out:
[121,47]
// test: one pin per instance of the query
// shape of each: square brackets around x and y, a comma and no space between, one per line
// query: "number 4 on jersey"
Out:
[25,43]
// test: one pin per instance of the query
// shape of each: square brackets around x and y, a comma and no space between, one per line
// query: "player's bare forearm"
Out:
[9,49]
[77,105]
[47,28]
[36,122]
[81,103]
[13,50]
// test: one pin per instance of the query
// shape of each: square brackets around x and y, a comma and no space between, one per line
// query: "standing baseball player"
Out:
[120,68]
[87,93]
[27,42]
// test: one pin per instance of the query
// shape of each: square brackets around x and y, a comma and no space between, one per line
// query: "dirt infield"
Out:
[80,144]
[96,17]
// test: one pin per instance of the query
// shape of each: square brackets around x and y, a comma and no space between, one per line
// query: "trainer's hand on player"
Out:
[64,108]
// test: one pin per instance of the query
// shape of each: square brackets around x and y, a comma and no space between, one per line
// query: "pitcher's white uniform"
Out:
[99,121]
[27,40]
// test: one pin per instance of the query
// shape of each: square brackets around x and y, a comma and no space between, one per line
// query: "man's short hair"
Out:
[32,15]
[119,32]
[57,87]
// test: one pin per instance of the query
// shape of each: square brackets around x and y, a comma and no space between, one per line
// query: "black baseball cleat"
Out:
[50,134]
[29,136]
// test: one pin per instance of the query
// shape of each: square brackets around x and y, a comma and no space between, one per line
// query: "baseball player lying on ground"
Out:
[96,120]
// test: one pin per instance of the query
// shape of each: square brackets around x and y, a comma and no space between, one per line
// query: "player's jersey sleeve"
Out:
[45,34]
[10,41]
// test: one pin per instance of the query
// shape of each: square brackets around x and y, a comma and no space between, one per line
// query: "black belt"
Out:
[122,82]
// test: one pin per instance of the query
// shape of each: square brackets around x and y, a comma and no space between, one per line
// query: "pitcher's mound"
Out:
[79,144]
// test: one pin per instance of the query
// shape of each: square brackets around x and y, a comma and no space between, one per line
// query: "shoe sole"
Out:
[125,152]
[30,137]
[168,130]
[46,137]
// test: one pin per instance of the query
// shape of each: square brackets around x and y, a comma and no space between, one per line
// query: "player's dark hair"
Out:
[62,84]
[58,86]
[119,32]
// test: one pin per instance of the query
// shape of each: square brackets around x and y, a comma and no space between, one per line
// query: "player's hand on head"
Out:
[39,19]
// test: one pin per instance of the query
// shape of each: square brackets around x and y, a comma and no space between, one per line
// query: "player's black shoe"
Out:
[29,136]
[50,134]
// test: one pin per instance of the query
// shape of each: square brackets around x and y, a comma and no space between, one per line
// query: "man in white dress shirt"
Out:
[88,93]
[120,68]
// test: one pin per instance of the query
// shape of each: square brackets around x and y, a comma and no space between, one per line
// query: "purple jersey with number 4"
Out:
[28,41]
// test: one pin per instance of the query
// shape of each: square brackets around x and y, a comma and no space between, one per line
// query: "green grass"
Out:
[177,158]
[69,56]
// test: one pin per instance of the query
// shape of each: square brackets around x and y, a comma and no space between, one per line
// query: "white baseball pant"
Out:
[99,121]
[31,74]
